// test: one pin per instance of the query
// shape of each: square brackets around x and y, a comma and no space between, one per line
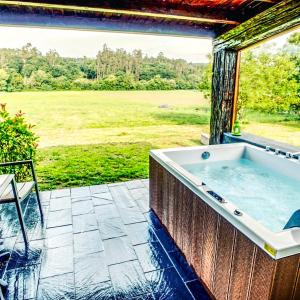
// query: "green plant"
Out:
[17,141]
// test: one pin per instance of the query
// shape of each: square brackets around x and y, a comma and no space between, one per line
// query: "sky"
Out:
[74,43]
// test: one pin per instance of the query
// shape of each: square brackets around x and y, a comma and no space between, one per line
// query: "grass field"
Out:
[94,137]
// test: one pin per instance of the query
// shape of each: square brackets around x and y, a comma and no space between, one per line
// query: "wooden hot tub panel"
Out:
[229,264]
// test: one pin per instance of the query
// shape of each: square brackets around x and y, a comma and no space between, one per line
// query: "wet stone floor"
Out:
[97,242]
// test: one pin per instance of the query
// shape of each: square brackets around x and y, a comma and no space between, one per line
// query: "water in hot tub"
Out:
[267,196]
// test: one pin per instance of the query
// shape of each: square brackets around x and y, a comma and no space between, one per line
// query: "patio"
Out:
[98,242]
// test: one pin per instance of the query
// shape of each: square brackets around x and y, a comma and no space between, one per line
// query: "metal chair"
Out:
[13,192]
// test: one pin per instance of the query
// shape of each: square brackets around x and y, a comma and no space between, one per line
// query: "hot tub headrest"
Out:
[294,220]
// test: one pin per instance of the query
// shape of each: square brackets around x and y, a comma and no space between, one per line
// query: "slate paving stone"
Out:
[140,233]
[152,257]
[9,220]
[80,192]
[118,250]
[143,205]
[139,193]
[86,251]
[23,257]
[165,240]
[82,207]
[106,211]
[116,184]
[91,269]
[82,223]
[111,227]
[61,240]
[37,231]
[6,245]
[181,265]
[146,183]
[60,203]
[143,297]
[45,196]
[78,199]
[131,215]
[167,284]
[57,231]
[59,218]
[153,220]
[57,261]
[22,282]
[31,214]
[121,196]
[87,242]
[98,189]
[99,291]
[102,199]
[134,184]
[61,193]
[197,290]
[128,280]
[35,225]
[57,288]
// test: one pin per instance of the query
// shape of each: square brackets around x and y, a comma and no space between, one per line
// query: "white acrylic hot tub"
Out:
[215,188]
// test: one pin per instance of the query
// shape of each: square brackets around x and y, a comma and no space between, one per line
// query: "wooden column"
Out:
[279,18]
[224,93]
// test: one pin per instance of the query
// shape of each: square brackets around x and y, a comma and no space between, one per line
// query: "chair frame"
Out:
[16,199]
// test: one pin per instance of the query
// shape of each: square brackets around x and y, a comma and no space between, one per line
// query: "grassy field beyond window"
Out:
[91,137]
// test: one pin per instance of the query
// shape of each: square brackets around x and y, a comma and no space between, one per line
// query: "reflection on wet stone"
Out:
[98,242]
[57,287]
[128,280]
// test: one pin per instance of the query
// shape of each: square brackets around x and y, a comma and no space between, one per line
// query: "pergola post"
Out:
[224,93]
[276,20]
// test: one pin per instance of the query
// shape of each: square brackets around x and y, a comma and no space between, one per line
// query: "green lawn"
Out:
[94,137]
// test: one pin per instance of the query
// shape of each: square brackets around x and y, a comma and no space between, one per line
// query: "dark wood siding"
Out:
[226,261]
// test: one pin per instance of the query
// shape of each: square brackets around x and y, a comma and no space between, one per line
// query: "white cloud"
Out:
[75,43]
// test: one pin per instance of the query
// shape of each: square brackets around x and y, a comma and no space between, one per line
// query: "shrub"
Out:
[158,83]
[61,83]
[83,84]
[17,141]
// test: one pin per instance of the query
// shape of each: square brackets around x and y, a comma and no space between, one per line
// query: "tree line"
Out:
[28,69]
[269,78]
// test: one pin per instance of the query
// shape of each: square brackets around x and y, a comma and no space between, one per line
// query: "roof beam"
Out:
[60,17]
[146,13]
[273,21]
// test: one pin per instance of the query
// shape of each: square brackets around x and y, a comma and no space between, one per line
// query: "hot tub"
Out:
[226,207]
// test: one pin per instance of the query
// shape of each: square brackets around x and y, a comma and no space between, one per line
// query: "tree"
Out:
[294,41]
[15,82]
[3,80]
[267,82]
[28,68]
[40,80]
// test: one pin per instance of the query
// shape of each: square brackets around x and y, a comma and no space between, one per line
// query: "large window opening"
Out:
[269,93]
[100,101]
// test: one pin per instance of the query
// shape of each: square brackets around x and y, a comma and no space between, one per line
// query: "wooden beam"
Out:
[40,16]
[224,93]
[279,18]
[123,12]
